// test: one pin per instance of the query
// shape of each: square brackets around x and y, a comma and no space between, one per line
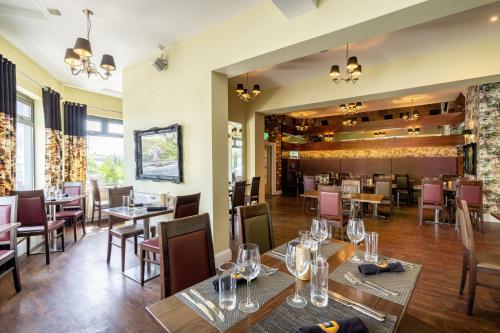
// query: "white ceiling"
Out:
[130,30]
[451,31]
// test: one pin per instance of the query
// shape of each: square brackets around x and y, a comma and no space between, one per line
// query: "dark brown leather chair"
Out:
[431,198]
[97,203]
[257,226]
[473,261]
[403,187]
[237,200]
[73,211]
[472,192]
[33,218]
[184,206]
[8,240]
[123,232]
[254,191]
[186,253]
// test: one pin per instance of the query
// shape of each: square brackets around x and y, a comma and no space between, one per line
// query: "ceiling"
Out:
[447,32]
[130,30]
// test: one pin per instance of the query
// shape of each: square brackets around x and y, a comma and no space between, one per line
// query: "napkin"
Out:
[370,269]
[239,281]
[351,325]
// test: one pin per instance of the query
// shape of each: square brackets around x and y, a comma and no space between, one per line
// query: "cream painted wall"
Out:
[256,150]
[237,113]
[97,104]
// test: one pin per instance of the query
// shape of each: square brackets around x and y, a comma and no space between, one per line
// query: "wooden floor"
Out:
[78,292]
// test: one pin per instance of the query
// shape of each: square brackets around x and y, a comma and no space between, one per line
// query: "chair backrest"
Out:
[329,188]
[31,208]
[8,214]
[432,191]
[351,186]
[402,181]
[309,183]
[383,186]
[73,188]
[254,190]
[257,226]
[96,194]
[187,205]
[187,255]
[116,195]
[446,178]
[238,198]
[344,175]
[471,191]
[376,175]
[330,205]
[466,232]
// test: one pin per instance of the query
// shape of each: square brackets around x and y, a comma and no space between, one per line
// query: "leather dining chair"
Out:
[184,206]
[472,192]
[473,261]
[32,215]
[383,186]
[431,198]
[186,253]
[257,226]
[330,209]
[254,191]
[8,240]
[309,186]
[403,187]
[73,211]
[97,203]
[237,200]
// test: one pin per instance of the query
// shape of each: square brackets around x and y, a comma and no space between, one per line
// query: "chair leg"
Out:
[28,245]
[15,276]
[62,237]
[397,198]
[135,245]
[110,240]
[304,205]
[93,211]
[99,216]
[481,221]
[143,264]
[83,226]
[74,228]
[420,212]
[123,244]
[464,275]
[47,253]
[472,290]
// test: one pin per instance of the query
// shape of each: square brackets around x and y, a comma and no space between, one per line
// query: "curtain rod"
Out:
[62,99]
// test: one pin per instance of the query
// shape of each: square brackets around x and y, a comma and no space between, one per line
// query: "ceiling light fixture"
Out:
[413,115]
[244,94]
[350,108]
[78,58]
[413,131]
[494,18]
[349,122]
[379,134]
[352,69]
[304,124]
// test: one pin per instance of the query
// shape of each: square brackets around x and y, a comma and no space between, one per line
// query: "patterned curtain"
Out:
[7,126]
[75,142]
[53,137]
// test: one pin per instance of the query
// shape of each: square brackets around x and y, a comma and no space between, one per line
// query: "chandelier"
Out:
[304,124]
[352,69]
[350,108]
[244,94]
[414,115]
[413,131]
[349,122]
[79,57]
[379,134]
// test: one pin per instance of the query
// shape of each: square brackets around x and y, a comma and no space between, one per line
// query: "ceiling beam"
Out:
[294,8]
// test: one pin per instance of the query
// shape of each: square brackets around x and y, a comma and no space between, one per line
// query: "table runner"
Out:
[403,282]
[263,289]
[287,319]
[326,250]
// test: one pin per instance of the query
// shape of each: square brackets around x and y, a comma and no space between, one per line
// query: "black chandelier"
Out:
[352,69]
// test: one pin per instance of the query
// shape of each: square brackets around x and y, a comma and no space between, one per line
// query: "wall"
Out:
[237,113]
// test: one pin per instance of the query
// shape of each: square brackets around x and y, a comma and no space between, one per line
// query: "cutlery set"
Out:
[353,279]
[377,315]
[404,263]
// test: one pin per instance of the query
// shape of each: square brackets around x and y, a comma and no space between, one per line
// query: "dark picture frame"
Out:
[160,168]
[470,156]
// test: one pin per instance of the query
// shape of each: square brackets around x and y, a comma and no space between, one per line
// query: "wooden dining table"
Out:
[172,315]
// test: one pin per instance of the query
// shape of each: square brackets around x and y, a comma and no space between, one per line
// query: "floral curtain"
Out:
[7,126]
[75,143]
[53,137]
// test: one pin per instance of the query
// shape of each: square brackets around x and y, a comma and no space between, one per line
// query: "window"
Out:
[105,150]
[25,144]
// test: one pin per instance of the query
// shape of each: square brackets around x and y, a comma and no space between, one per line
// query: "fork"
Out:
[266,271]
[357,281]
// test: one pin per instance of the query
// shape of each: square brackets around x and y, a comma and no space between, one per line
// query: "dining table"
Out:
[135,214]
[172,314]
[355,198]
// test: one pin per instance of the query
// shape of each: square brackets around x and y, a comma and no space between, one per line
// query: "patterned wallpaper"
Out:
[379,153]
[472,113]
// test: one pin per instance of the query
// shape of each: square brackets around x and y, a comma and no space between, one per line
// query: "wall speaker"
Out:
[324,122]
[160,64]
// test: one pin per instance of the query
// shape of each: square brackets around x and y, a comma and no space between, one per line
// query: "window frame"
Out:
[105,122]
[28,122]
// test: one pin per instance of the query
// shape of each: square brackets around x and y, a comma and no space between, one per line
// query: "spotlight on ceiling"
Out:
[494,18]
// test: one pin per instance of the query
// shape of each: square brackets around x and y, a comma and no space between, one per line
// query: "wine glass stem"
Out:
[296,288]
[248,292]
[319,249]
[355,250]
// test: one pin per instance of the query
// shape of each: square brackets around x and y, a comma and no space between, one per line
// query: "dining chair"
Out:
[383,186]
[254,191]
[122,232]
[32,215]
[309,186]
[473,261]
[237,200]
[8,240]
[351,186]
[376,175]
[257,226]
[330,209]
[431,198]
[97,203]
[403,187]
[73,211]
[186,253]
[184,206]
[472,192]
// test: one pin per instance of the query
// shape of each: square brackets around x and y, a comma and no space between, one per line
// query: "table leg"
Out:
[436,215]
[146,228]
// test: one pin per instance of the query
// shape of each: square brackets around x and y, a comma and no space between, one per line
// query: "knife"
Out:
[357,308]
[347,300]
[208,303]
[276,253]
[200,306]
[404,263]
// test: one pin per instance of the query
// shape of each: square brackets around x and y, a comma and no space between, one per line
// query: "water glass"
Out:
[305,238]
[356,233]
[125,202]
[319,283]
[297,265]
[371,247]
[319,231]
[227,285]
[248,267]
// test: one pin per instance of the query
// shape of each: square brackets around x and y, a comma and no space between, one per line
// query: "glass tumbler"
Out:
[227,286]
[371,247]
[319,283]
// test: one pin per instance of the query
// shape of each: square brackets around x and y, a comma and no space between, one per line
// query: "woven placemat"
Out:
[402,283]
[263,289]
[327,250]
[286,318]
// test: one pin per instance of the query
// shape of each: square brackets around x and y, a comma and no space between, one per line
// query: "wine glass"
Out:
[305,238]
[297,265]
[356,233]
[248,267]
[319,231]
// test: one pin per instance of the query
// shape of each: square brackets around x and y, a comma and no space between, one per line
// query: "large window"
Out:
[105,150]
[25,144]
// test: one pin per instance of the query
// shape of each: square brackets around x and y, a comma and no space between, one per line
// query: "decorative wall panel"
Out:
[449,151]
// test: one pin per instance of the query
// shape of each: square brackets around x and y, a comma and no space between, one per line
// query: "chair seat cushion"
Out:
[335,221]
[488,261]
[69,214]
[6,255]
[51,225]
[152,243]
[128,231]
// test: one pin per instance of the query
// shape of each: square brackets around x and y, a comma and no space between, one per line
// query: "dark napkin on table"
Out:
[351,325]
[156,208]
[239,281]
[371,269]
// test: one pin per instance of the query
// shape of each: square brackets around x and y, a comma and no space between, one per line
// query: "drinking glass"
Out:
[319,283]
[131,201]
[227,285]
[314,249]
[125,202]
[319,230]
[297,265]
[305,238]
[356,233]
[371,247]
[248,267]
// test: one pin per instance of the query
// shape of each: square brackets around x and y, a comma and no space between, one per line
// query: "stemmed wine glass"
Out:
[297,266]
[305,238]
[248,267]
[356,233]
[319,231]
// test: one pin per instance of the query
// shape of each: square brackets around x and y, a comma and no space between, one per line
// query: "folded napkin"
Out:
[351,325]
[239,281]
[370,269]
[156,208]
